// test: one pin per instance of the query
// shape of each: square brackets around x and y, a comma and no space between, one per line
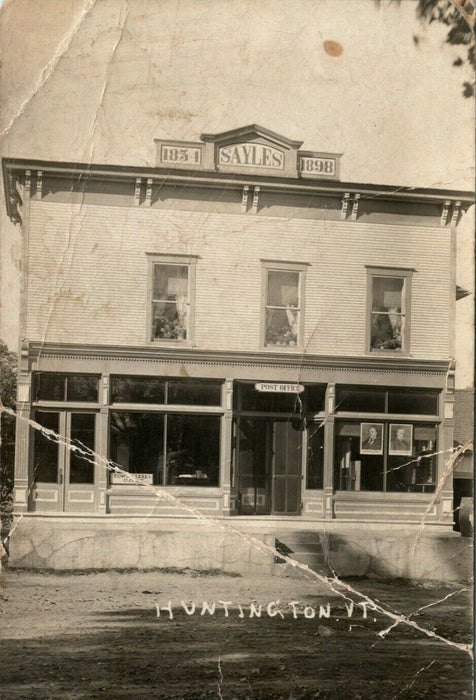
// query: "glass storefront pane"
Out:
[81,467]
[137,442]
[193,450]
[354,471]
[315,397]
[414,402]
[137,390]
[45,451]
[315,456]
[49,386]
[194,393]
[361,399]
[82,387]
[416,472]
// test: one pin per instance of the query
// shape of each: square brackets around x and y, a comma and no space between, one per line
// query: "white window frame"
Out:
[406,274]
[188,261]
[283,266]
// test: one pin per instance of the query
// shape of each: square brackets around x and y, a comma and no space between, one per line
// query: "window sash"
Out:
[388,309]
[170,317]
[282,321]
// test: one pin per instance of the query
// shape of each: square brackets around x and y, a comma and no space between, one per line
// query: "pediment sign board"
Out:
[250,150]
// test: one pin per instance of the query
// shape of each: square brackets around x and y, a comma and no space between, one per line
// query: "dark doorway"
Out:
[268,461]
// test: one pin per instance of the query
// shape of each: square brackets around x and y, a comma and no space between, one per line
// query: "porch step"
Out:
[304,547]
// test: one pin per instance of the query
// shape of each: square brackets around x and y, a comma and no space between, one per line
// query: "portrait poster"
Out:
[236,259]
[400,440]
[371,438]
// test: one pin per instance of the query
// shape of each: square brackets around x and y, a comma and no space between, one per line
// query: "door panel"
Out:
[63,480]
[48,459]
[253,465]
[81,470]
[79,464]
[286,469]
[268,466]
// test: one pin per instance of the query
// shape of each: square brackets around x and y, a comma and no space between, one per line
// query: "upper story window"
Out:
[171,289]
[389,309]
[283,303]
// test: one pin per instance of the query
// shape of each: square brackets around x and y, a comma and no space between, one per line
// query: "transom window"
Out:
[283,304]
[389,304]
[53,386]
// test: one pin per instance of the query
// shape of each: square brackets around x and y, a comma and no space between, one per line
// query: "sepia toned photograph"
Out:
[371,438]
[237,349]
[400,439]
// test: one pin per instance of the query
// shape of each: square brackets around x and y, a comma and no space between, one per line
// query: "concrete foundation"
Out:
[241,546]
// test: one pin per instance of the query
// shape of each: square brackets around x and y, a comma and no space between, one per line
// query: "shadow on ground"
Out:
[130,653]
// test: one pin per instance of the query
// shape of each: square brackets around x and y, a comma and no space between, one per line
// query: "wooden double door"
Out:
[64,469]
[268,464]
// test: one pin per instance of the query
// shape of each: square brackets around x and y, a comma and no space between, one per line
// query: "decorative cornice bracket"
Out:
[137,189]
[254,205]
[444,213]
[345,205]
[456,209]
[148,192]
[355,207]
[244,198]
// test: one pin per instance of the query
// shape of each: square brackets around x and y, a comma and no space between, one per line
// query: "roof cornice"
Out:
[176,355]
[17,170]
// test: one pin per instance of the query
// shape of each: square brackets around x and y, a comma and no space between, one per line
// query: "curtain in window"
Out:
[178,287]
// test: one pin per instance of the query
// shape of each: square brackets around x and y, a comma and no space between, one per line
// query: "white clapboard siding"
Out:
[87,280]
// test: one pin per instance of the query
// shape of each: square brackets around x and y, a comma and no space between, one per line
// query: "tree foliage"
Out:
[459,16]
[8,383]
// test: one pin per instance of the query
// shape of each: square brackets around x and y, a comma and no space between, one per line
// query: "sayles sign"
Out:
[252,155]
[251,150]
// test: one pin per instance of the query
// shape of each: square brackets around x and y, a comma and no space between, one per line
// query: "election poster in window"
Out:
[371,438]
[401,439]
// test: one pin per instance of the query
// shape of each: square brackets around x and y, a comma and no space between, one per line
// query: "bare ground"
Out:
[97,635]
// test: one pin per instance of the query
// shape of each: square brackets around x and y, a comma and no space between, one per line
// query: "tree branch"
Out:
[468,18]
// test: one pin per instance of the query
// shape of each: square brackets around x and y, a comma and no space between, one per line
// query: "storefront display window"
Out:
[401,458]
[176,449]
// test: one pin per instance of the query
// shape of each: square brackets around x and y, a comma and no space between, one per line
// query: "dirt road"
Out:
[99,636]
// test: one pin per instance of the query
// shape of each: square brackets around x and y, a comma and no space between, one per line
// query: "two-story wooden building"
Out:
[239,328]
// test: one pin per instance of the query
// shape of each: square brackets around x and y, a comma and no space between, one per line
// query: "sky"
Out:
[99,80]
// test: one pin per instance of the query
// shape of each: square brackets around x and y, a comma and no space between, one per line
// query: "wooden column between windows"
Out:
[102,445]
[225,445]
[444,503]
[328,477]
[23,478]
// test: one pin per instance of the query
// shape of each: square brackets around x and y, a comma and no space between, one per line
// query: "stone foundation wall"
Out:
[66,544]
